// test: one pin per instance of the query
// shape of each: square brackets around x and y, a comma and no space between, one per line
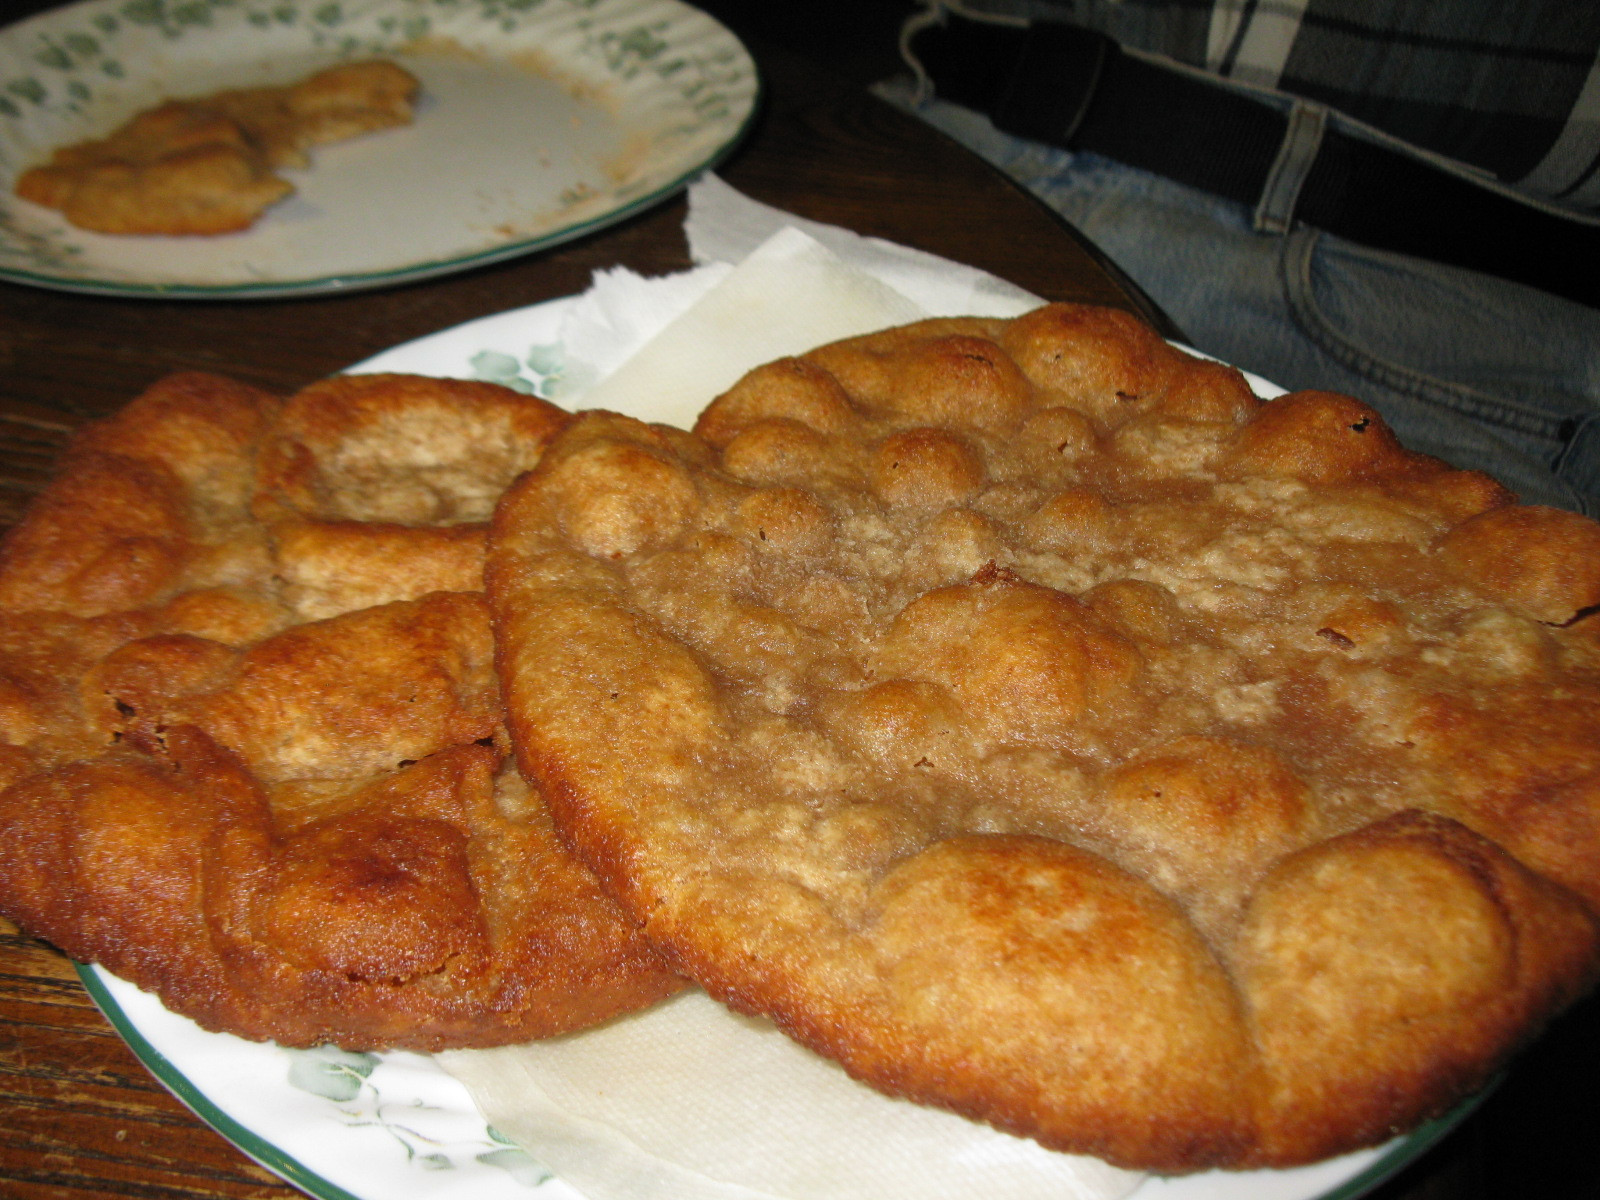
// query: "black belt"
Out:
[1075,88]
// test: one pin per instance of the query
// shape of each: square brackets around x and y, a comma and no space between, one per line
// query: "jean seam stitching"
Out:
[1296,280]
[1589,502]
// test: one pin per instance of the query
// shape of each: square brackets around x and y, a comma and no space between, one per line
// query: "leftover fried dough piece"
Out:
[1033,720]
[279,798]
[332,105]
[204,166]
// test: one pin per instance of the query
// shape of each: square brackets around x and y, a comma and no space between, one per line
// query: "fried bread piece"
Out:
[204,165]
[1028,717]
[254,755]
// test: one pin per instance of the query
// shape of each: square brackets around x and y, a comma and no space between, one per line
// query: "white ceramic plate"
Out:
[396,1126]
[539,121]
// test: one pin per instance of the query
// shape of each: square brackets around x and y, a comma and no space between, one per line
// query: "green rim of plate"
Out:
[416,272]
[283,1165]
[1412,1147]
[1417,1143]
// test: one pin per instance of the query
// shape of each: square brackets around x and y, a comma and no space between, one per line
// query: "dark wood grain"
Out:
[79,1116]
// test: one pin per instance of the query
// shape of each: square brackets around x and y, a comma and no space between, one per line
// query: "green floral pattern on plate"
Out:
[73,58]
[356,1084]
[683,85]
[539,373]
[338,1125]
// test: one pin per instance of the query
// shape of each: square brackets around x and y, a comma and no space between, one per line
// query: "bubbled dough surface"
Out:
[251,740]
[1025,715]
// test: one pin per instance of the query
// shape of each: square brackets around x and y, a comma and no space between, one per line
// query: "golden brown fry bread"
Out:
[1028,717]
[251,743]
[205,165]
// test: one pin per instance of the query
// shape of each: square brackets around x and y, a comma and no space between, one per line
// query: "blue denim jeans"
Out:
[1485,374]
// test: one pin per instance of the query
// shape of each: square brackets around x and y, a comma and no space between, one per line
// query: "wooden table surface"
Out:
[79,1116]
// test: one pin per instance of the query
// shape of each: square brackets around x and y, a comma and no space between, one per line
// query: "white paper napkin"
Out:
[689,1101]
[768,285]
[790,295]
[726,226]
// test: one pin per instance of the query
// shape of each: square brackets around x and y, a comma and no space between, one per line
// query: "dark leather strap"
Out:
[1075,88]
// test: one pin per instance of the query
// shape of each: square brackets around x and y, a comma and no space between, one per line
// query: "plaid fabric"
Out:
[1508,88]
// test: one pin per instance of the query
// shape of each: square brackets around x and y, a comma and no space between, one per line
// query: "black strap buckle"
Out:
[1053,82]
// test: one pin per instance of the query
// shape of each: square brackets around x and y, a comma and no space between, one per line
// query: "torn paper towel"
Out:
[791,295]
[690,1102]
[769,285]
[725,225]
